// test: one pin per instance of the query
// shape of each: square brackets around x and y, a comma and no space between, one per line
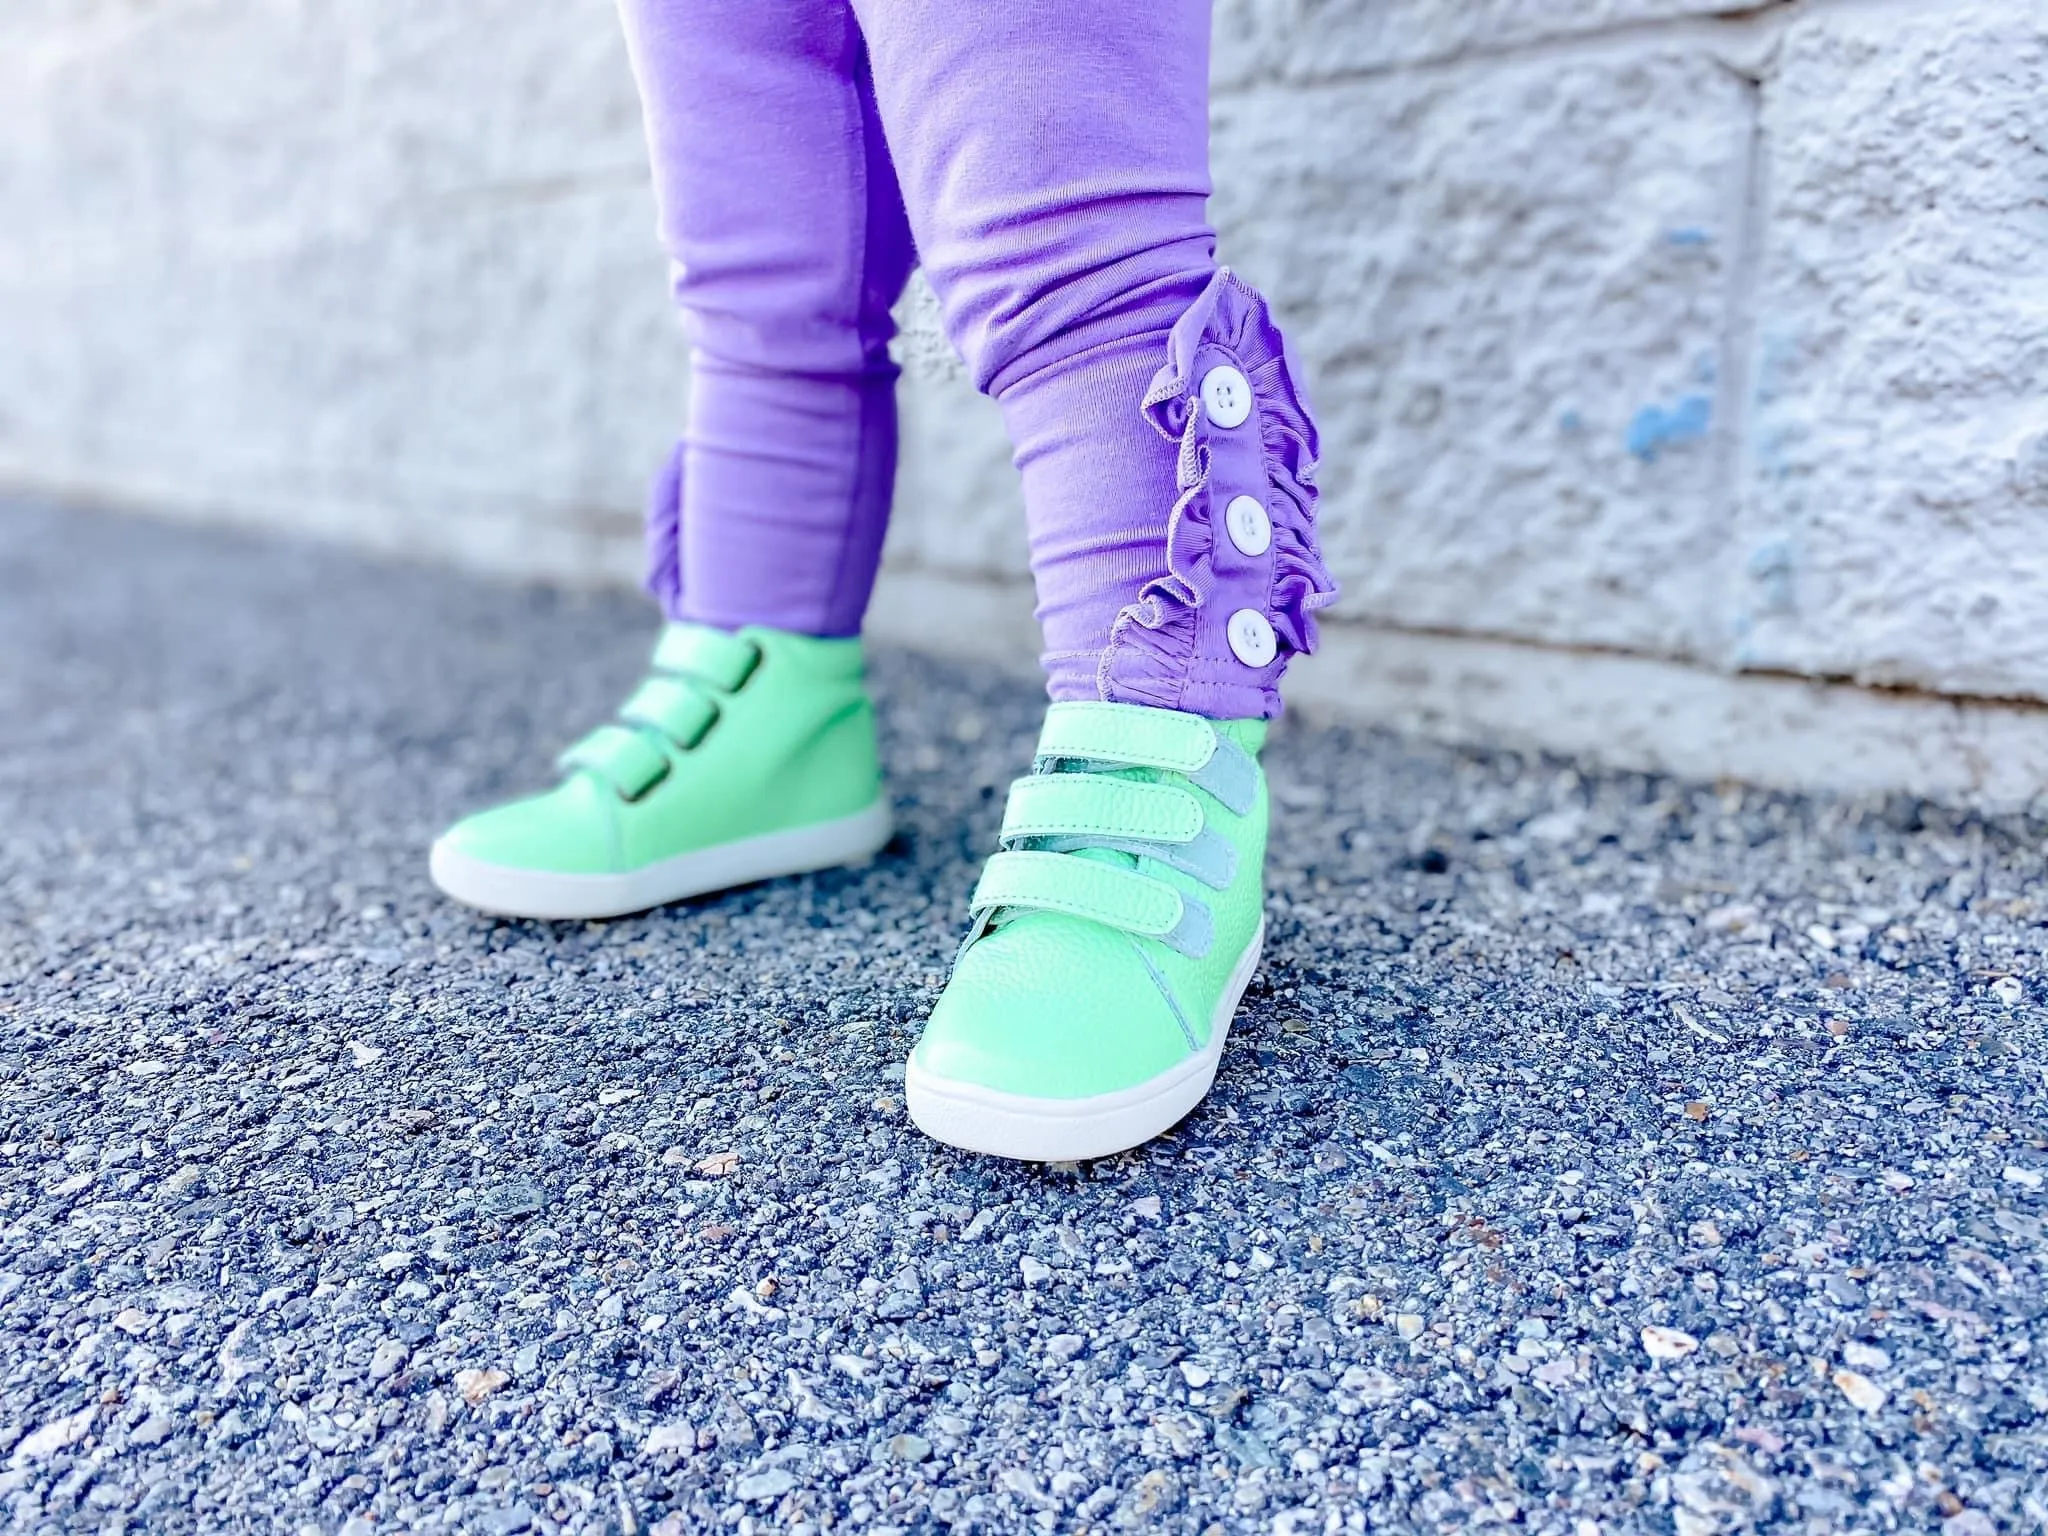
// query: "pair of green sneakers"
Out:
[1112,933]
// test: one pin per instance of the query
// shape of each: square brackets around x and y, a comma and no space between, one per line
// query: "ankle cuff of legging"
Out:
[1244,574]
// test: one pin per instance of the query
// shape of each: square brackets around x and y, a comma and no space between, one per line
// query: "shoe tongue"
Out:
[1249,734]
[1113,856]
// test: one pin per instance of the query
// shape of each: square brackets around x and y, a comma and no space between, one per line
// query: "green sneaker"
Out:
[1113,935]
[746,756]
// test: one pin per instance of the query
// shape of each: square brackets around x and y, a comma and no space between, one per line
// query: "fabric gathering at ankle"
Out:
[1213,635]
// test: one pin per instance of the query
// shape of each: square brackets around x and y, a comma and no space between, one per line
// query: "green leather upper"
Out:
[735,735]
[1128,884]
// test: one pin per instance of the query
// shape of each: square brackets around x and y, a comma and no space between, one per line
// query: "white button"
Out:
[1251,637]
[1226,396]
[1250,529]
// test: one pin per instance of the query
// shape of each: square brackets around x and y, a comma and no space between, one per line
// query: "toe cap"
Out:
[566,831]
[1049,1006]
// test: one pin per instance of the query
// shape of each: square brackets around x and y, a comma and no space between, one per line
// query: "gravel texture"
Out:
[1595,1152]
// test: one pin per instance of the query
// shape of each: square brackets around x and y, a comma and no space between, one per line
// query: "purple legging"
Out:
[1047,163]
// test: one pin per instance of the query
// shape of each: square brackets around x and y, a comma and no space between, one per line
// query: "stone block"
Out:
[1897,489]
[344,264]
[1511,286]
[1265,40]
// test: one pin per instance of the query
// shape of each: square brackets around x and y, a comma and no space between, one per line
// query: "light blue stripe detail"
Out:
[1231,776]
[1166,991]
[1195,934]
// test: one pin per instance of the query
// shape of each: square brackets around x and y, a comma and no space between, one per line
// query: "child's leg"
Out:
[1054,158]
[781,215]
[750,752]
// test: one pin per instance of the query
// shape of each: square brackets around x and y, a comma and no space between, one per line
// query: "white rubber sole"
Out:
[978,1119]
[513,892]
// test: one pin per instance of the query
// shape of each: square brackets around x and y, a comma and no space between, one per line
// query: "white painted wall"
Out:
[1683,374]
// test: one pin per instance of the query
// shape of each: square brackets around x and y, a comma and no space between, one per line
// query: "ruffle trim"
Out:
[665,535]
[1152,649]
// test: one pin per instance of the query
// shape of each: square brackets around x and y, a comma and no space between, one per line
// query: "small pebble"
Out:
[759,1487]
[389,1356]
[910,1448]
[477,1385]
[1668,1343]
[1860,1390]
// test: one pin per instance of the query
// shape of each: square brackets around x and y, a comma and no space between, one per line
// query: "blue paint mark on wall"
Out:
[1687,236]
[1656,428]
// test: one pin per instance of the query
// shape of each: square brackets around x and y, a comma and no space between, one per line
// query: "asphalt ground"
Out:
[1594,1152]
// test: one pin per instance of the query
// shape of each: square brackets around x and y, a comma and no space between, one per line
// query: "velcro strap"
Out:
[674,708]
[1083,805]
[622,757]
[1060,882]
[710,655]
[1128,734]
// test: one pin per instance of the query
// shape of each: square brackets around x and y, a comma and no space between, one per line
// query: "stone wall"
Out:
[1681,361]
